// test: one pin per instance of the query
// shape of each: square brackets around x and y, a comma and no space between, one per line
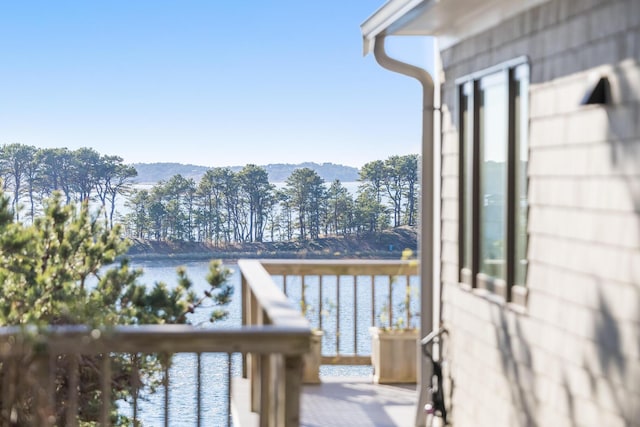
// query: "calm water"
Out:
[183,373]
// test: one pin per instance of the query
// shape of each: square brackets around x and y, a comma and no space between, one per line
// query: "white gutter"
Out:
[427,240]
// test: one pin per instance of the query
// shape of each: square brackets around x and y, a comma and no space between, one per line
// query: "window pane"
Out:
[467,181]
[493,174]
[522,154]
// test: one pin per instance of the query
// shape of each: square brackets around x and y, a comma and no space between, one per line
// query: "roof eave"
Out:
[390,17]
[449,20]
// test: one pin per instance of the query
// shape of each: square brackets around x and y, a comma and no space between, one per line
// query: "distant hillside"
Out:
[149,173]
[279,172]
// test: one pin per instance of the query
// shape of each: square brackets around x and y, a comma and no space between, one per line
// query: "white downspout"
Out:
[426,239]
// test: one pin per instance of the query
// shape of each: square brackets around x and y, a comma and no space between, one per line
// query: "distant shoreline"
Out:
[388,244]
[235,256]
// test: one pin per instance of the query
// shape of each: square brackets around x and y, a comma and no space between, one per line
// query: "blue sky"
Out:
[213,83]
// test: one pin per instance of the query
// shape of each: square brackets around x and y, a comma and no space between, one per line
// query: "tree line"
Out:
[31,175]
[226,207]
[223,207]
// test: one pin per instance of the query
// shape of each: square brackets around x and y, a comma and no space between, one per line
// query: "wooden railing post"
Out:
[105,386]
[292,390]
[255,376]
[275,396]
[72,391]
[39,371]
[9,388]
[245,313]
[264,396]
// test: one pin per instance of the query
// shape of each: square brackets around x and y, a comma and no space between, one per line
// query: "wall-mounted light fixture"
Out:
[598,94]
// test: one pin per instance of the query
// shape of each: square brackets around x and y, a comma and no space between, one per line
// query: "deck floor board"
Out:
[342,401]
[356,401]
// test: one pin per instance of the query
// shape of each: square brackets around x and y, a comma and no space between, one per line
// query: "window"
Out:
[493,179]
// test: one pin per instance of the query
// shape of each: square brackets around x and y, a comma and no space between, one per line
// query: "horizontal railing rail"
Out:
[15,341]
[357,267]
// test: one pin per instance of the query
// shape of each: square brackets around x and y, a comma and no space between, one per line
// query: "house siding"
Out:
[571,355]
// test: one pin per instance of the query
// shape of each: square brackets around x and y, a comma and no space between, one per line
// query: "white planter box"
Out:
[394,355]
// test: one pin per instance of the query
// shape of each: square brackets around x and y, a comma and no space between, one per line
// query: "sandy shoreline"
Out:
[233,256]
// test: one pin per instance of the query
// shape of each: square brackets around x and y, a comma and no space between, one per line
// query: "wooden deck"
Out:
[342,401]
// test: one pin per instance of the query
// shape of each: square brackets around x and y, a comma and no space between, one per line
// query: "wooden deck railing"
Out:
[264,306]
[272,340]
[379,293]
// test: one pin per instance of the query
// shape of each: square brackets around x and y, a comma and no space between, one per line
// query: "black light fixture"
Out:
[599,94]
